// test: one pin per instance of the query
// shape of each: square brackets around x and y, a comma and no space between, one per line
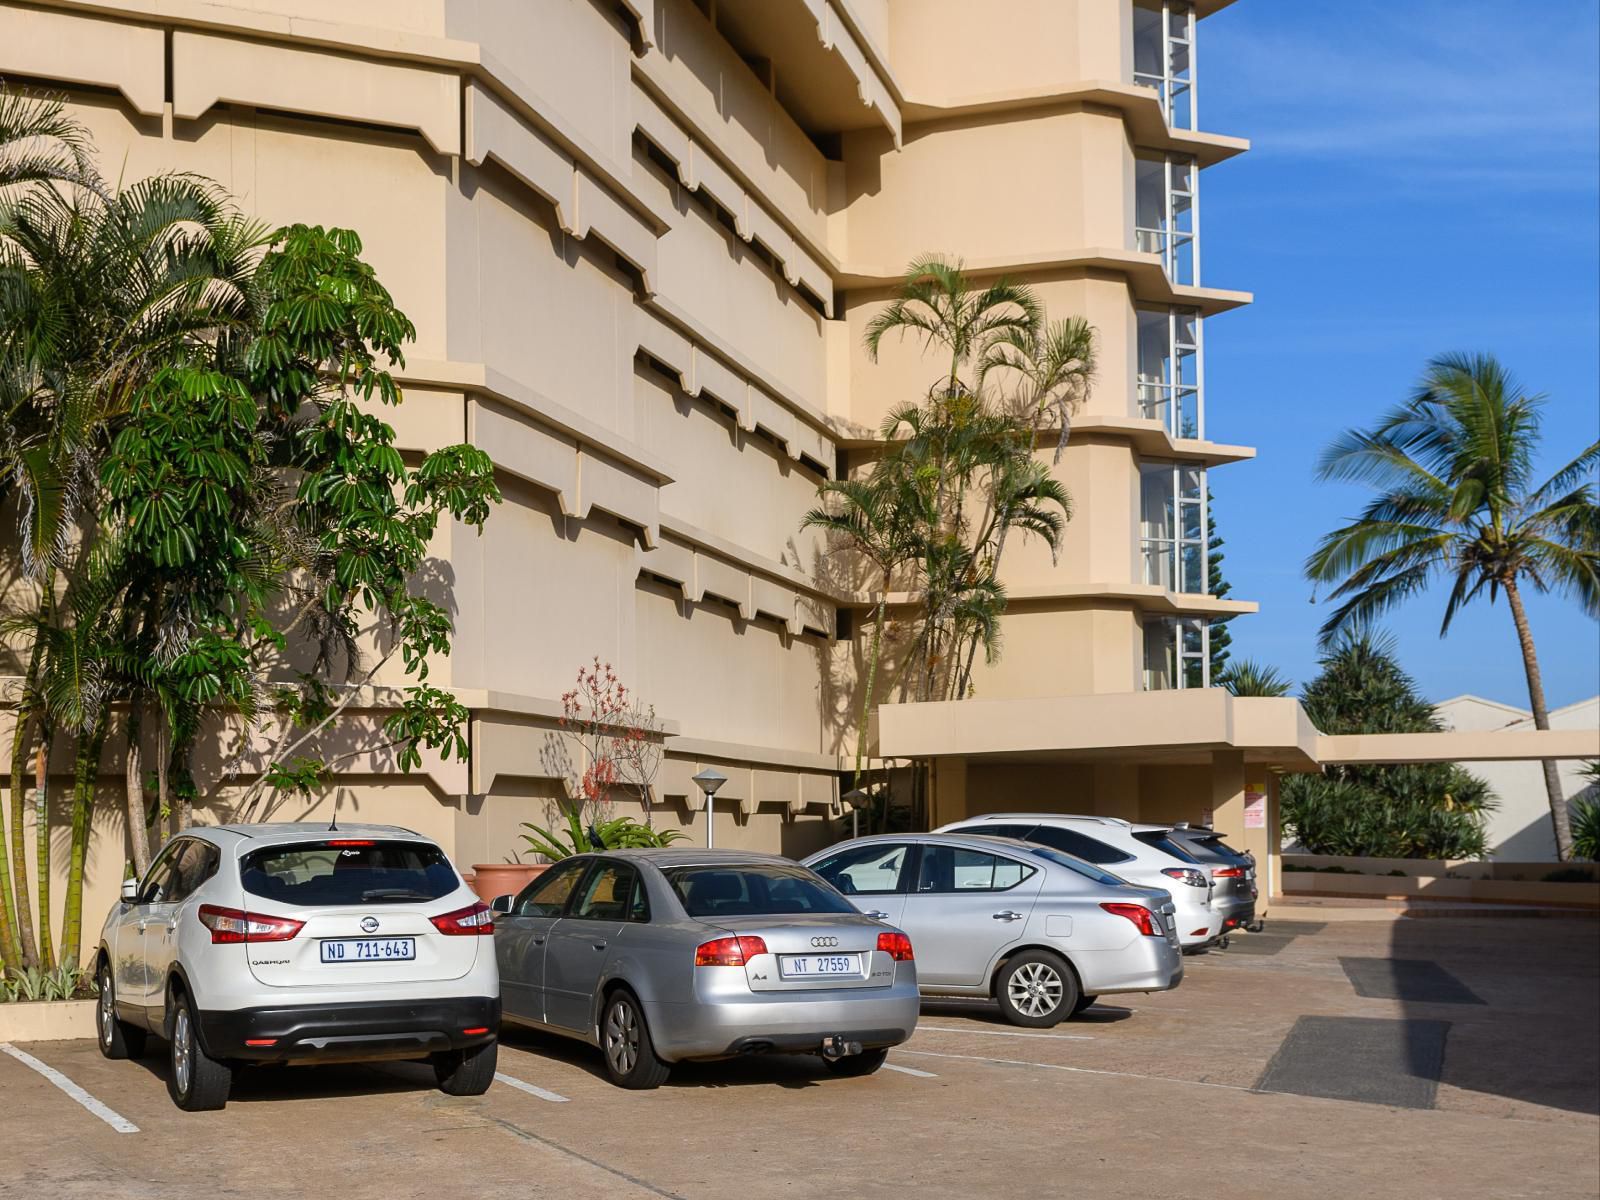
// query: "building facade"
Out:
[640,241]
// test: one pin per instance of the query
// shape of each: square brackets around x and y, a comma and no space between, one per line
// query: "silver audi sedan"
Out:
[660,956]
[1039,931]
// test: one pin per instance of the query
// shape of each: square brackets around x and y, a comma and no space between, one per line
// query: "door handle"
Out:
[538,941]
[599,945]
[139,925]
[877,915]
[1008,915]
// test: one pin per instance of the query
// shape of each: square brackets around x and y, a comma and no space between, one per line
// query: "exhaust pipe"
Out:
[836,1047]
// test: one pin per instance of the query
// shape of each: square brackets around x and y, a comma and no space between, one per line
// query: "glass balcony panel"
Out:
[1160,657]
[1193,579]
[1187,415]
[1159,561]
[1194,672]
[1180,261]
[1191,482]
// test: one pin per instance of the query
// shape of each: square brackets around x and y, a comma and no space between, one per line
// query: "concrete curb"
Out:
[46,1020]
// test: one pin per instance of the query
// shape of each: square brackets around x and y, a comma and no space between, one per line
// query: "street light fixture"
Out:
[709,781]
[857,799]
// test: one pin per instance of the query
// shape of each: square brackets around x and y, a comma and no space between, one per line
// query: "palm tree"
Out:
[1247,677]
[868,516]
[1453,469]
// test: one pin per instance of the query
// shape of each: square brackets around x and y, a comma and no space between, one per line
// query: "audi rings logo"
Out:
[369,924]
[822,943]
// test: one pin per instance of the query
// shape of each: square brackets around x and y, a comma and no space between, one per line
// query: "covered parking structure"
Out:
[1201,755]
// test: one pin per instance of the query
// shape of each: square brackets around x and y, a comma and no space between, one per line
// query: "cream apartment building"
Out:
[640,240]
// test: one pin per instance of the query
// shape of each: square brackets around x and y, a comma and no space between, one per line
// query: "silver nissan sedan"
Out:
[1039,931]
[658,956]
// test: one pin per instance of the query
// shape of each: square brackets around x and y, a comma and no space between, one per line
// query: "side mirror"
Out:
[130,890]
[502,904]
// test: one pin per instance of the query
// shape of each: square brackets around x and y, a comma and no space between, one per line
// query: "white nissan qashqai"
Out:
[296,943]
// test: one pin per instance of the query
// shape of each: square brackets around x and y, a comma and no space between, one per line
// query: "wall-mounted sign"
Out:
[1255,805]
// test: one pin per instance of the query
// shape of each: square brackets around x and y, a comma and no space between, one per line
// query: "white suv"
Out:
[1110,842]
[296,943]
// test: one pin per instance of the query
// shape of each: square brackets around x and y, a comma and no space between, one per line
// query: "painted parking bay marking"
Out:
[909,1071]
[110,1116]
[1063,1037]
[531,1089]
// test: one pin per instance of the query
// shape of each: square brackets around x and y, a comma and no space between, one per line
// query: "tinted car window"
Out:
[757,891]
[1217,846]
[871,870]
[348,871]
[610,893]
[1165,842]
[195,863]
[1070,841]
[952,869]
[158,878]
[547,895]
[1087,870]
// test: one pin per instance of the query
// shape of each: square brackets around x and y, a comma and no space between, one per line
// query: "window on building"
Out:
[1166,215]
[1170,374]
[1163,56]
[1172,525]
[1177,653]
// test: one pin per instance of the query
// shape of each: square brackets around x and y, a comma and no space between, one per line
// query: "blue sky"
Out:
[1424,177]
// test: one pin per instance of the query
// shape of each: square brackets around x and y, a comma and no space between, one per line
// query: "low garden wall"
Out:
[46,1020]
[1433,879]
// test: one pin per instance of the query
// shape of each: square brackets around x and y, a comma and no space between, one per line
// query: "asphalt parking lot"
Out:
[1324,1057]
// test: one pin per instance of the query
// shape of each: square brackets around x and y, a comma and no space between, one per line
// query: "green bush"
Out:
[1586,829]
[616,834]
[63,983]
[1570,875]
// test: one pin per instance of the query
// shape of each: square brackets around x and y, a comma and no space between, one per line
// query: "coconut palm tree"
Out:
[1457,501]
[1247,677]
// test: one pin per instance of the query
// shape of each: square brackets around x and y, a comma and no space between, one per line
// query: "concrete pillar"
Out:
[947,798]
[1116,791]
[1242,807]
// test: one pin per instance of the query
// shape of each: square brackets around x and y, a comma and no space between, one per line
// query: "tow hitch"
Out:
[837,1047]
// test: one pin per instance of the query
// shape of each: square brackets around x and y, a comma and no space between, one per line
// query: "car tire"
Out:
[466,1072]
[195,1081]
[854,1066]
[1036,989]
[1083,1003]
[625,1045]
[117,1038]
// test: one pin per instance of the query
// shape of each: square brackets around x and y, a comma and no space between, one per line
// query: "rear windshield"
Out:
[1222,847]
[1160,839]
[348,871]
[753,891]
[1086,869]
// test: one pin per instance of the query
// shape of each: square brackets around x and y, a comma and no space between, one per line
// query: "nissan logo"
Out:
[369,924]
[822,942]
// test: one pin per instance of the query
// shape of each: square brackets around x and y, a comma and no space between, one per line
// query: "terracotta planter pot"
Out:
[504,879]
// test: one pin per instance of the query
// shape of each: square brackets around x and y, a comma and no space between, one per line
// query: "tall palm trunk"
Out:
[20,740]
[872,676]
[138,827]
[1560,821]
[85,775]
[41,829]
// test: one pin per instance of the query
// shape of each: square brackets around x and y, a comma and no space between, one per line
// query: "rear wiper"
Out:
[395,894]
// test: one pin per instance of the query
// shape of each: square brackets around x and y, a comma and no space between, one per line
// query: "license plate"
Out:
[800,966]
[338,950]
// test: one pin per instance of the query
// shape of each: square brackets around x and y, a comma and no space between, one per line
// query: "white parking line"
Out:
[1062,1037]
[532,1090]
[1014,1062]
[112,1118]
[909,1071]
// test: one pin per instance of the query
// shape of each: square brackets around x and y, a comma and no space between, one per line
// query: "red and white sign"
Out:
[1255,805]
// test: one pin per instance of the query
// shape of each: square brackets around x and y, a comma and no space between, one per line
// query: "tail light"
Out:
[1228,873]
[466,922]
[1188,874]
[728,951]
[231,926]
[896,945]
[1138,914]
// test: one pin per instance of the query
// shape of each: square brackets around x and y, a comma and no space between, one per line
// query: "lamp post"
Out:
[857,799]
[708,782]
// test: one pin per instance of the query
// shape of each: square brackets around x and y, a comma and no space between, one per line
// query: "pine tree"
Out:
[1219,587]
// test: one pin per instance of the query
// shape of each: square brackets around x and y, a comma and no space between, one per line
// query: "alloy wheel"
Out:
[182,1037]
[107,1008]
[622,1037]
[1035,989]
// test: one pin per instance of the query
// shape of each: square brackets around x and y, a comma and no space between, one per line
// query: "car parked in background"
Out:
[659,956]
[298,943]
[1042,933]
[1233,874]
[1109,842]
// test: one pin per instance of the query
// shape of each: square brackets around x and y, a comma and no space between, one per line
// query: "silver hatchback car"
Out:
[662,955]
[1043,933]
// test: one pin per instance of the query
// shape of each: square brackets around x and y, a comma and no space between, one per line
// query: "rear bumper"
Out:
[361,1032]
[1146,965]
[1236,912]
[785,1024]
